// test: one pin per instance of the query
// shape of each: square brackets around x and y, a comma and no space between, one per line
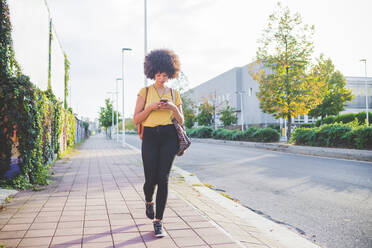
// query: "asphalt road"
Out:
[327,200]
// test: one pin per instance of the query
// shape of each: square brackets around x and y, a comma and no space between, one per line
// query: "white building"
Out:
[239,89]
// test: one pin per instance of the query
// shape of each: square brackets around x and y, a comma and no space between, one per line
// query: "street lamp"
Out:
[117,110]
[122,77]
[241,107]
[365,87]
[145,31]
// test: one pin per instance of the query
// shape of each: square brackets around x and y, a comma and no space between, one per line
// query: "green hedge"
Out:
[346,118]
[38,121]
[334,135]
[252,134]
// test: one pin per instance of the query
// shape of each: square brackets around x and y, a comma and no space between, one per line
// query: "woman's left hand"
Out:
[168,105]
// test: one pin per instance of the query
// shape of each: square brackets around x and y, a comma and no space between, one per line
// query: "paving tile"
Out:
[231,245]
[12,234]
[189,241]
[21,220]
[66,240]
[10,243]
[39,241]
[94,223]
[97,230]
[15,227]
[98,245]
[40,233]
[71,224]
[98,237]
[68,231]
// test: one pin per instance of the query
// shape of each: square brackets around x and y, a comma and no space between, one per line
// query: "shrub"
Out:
[201,132]
[329,119]
[274,126]
[307,125]
[238,135]
[333,135]
[266,135]
[361,137]
[361,116]
[345,118]
[304,136]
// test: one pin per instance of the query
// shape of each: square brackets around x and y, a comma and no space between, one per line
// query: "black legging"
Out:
[159,147]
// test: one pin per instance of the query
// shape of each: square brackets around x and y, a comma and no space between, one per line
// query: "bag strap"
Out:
[147,90]
[172,93]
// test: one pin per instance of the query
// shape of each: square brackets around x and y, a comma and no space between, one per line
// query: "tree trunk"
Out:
[289,124]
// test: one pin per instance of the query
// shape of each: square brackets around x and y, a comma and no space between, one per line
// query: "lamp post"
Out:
[117,110]
[365,87]
[145,32]
[122,77]
[241,107]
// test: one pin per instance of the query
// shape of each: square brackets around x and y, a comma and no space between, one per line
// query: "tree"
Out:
[182,84]
[286,88]
[335,94]
[205,116]
[105,115]
[188,111]
[228,116]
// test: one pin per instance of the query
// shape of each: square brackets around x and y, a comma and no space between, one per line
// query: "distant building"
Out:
[237,88]
[357,86]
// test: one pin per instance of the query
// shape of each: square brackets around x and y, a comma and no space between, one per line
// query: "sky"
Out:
[209,36]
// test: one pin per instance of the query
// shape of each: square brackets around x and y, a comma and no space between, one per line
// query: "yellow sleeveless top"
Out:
[160,116]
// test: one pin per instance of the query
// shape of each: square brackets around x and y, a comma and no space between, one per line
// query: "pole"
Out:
[117,112]
[214,110]
[122,78]
[112,115]
[366,89]
[241,109]
[145,38]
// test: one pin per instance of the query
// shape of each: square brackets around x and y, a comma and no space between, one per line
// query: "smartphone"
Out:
[163,100]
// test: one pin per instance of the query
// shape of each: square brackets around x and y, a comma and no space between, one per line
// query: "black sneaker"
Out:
[150,210]
[158,229]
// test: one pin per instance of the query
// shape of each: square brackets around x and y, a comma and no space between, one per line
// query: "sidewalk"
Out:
[96,200]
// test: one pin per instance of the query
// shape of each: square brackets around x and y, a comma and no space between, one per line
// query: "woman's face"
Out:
[161,77]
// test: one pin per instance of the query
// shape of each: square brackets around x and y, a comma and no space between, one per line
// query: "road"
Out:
[327,200]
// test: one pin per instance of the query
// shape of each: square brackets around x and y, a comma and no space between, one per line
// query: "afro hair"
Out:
[162,60]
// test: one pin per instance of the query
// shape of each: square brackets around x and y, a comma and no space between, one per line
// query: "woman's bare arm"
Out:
[140,114]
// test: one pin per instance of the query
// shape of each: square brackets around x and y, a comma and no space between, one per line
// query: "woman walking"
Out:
[155,109]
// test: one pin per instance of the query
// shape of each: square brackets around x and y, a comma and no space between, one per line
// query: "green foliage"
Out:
[129,125]
[335,94]
[345,118]
[286,88]
[274,126]
[349,135]
[105,115]
[332,135]
[188,111]
[228,116]
[67,78]
[201,132]
[307,125]
[205,116]
[252,134]
[31,120]
[266,135]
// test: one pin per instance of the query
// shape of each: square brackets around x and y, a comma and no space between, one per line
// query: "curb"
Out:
[4,193]
[280,234]
[341,153]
